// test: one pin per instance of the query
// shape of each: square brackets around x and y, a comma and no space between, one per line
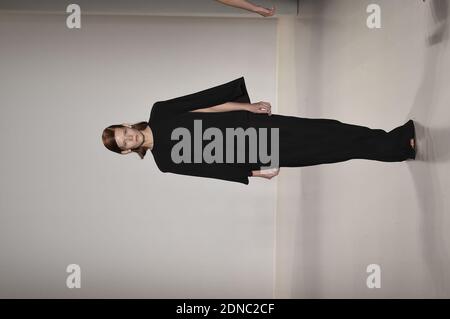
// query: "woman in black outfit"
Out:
[302,141]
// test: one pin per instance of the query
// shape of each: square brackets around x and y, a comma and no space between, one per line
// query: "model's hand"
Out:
[269,173]
[265,12]
[260,107]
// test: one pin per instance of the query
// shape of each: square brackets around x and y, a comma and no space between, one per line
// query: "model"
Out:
[300,141]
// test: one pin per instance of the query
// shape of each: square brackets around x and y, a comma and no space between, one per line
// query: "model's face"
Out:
[128,138]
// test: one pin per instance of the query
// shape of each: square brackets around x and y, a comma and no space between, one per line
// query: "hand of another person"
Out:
[265,12]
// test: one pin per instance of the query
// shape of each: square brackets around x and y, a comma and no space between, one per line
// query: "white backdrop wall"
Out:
[135,231]
[148,7]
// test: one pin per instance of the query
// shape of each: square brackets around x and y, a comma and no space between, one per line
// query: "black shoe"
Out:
[412,130]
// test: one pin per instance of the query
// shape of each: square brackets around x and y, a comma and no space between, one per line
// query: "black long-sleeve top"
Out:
[167,115]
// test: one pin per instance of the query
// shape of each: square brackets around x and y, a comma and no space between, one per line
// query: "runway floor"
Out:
[333,221]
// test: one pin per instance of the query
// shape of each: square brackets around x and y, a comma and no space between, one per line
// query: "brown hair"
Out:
[110,142]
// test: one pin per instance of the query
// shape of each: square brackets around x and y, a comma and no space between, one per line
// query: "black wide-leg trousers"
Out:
[314,141]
